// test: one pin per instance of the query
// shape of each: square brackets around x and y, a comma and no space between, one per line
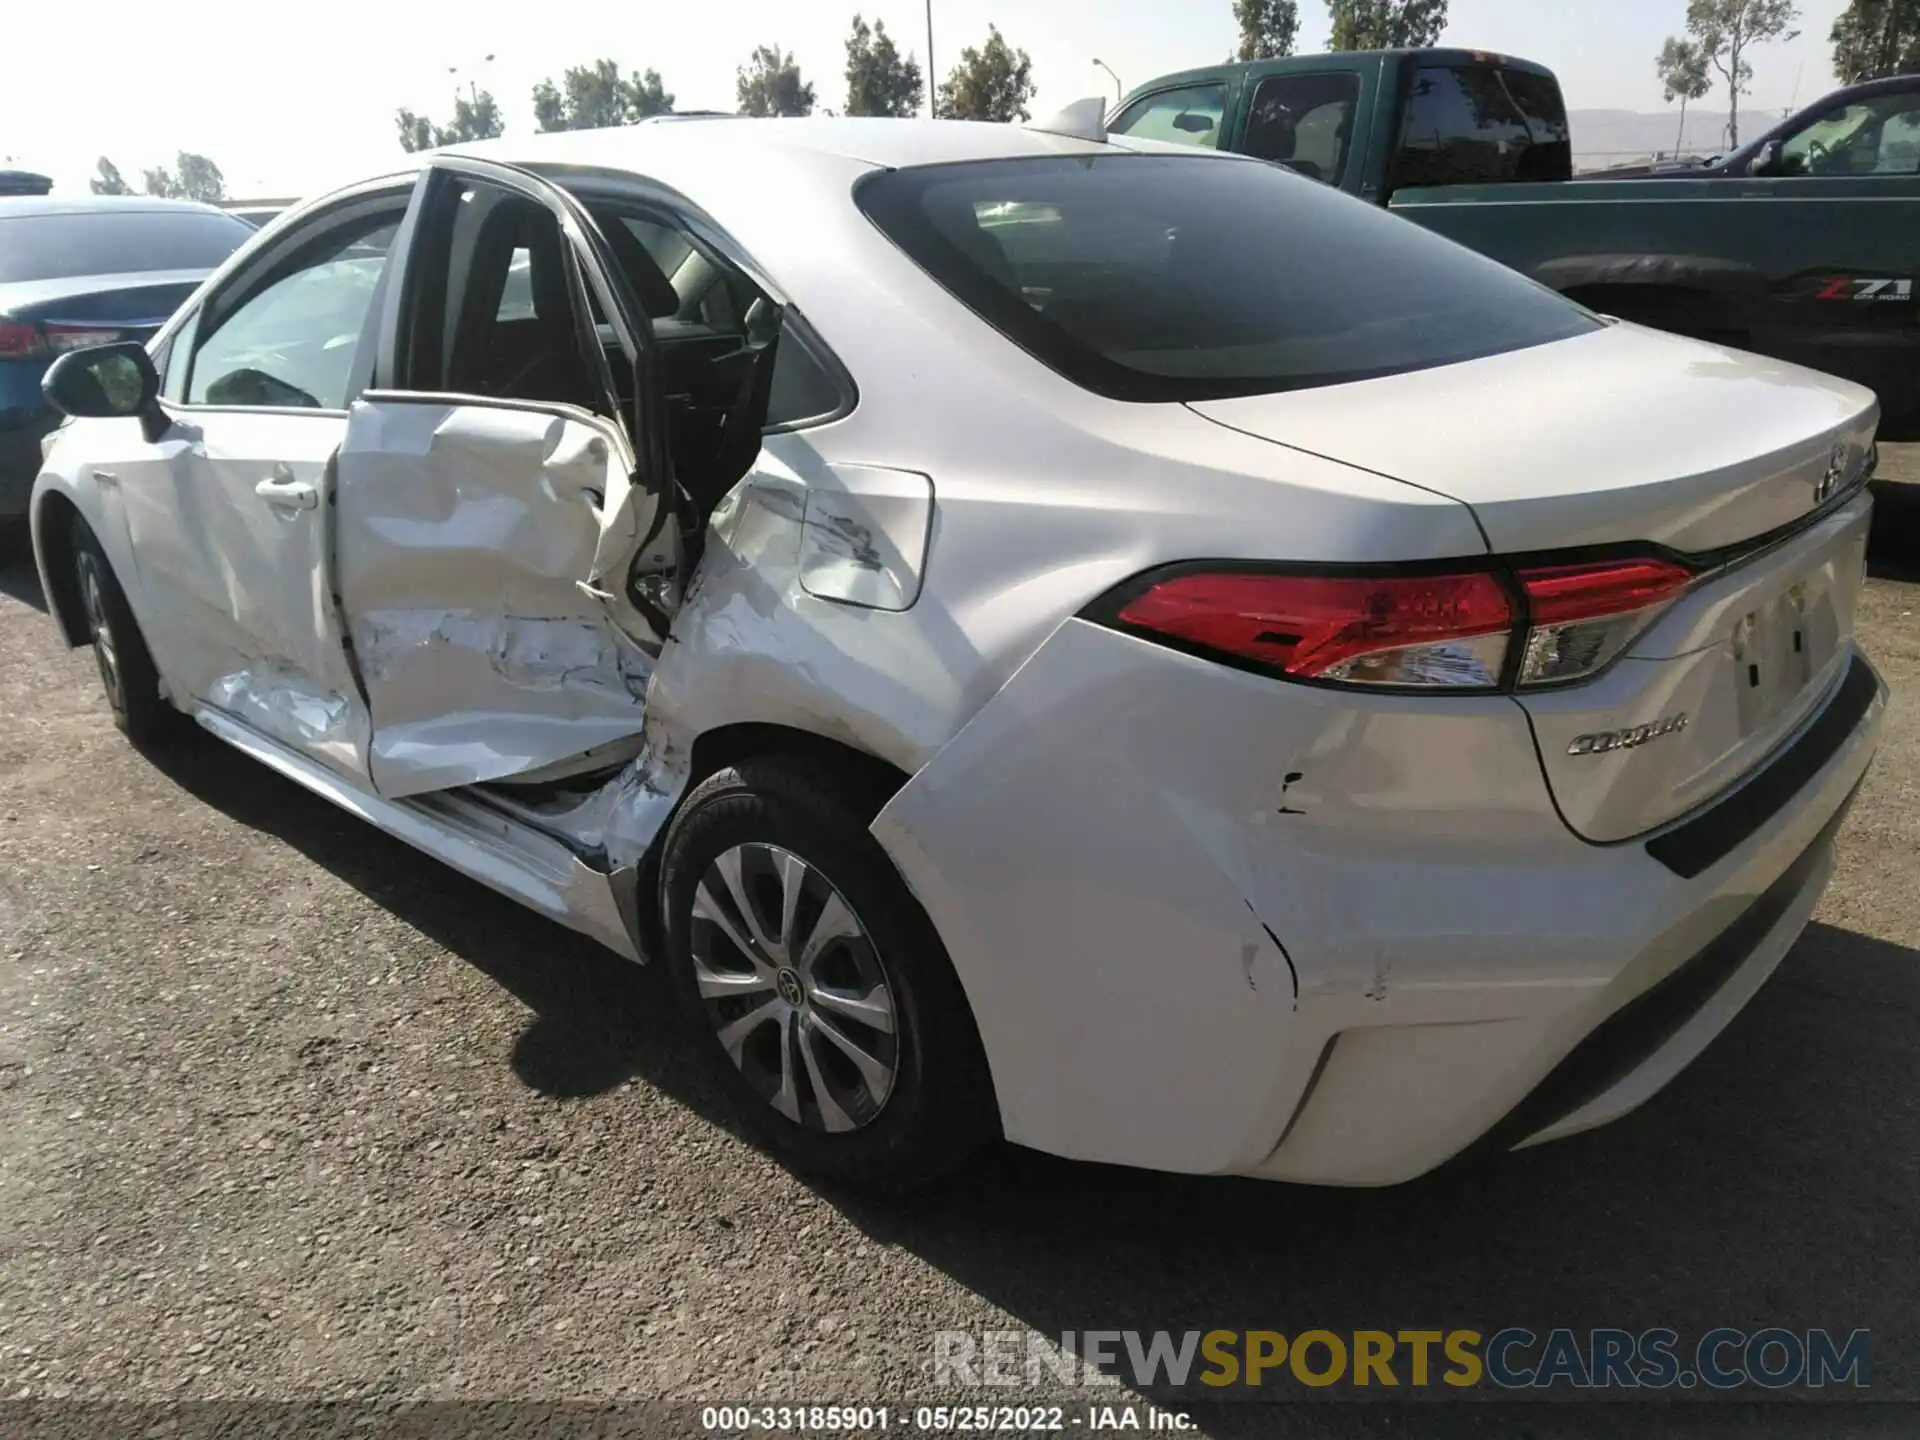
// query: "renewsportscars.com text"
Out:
[1230,1362]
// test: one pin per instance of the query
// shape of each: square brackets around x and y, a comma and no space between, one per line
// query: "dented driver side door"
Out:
[507,560]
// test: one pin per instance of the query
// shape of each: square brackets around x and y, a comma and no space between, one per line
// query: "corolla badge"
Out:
[1602,742]
[1829,482]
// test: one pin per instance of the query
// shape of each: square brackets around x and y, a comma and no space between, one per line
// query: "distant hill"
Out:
[1621,137]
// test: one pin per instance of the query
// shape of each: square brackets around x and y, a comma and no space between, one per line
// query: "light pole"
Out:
[473,86]
[932,111]
[1116,79]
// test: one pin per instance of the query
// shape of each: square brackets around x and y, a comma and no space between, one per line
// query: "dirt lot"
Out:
[287,1110]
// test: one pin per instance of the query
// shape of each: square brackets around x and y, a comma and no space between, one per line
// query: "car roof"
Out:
[14,206]
[870,142]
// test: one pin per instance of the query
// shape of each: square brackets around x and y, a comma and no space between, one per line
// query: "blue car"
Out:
[82,272]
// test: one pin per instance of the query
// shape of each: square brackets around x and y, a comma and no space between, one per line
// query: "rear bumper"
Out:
[1213,923]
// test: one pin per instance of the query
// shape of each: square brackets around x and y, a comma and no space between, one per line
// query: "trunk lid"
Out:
[1752,467]
[1720,682]
[136,304]
[1622,434]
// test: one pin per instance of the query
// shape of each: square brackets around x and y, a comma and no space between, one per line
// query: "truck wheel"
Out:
[820,996]
[127,671]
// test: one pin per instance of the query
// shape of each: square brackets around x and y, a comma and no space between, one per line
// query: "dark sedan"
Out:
[85,272]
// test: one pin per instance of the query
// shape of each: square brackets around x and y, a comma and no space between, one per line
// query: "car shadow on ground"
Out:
[1893,550]
[1771,1184]
[18,579]
[599,1020]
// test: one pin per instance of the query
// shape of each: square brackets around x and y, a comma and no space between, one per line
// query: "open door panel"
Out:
[472,538]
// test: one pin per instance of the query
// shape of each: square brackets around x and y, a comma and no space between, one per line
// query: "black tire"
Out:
[127,671]
[939,1108]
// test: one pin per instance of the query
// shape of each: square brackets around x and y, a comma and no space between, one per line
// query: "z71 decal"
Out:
[1848,287]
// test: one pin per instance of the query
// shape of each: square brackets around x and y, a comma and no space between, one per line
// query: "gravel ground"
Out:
[289,1111]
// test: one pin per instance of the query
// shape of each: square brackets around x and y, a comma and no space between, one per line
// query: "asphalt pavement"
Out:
[288,1111]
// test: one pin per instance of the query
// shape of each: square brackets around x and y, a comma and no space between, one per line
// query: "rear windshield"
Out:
[1482,125]
[115,242]
[1173,277]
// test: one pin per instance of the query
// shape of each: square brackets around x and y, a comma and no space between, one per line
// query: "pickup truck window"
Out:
[1482,124]
[1188,116]
[1189,277]
[1880,136]
[1303,122]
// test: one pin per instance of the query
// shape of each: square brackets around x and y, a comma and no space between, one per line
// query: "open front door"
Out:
[507,564]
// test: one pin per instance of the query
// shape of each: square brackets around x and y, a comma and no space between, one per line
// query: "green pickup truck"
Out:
[1475,146]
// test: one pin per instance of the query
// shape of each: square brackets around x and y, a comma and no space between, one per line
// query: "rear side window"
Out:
[1304,122]
[116,242]
[1170,277]
[1189,116]
[1481,125]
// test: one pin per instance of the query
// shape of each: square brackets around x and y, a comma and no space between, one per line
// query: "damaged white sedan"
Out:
[1130,651]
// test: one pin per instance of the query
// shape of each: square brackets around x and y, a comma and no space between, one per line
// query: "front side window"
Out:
[1190,116]
[293,342]
[1170,277]
[1482,125]
[1304,122]
[1878,136]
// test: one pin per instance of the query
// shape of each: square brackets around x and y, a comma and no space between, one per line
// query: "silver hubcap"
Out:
[794,988]
[104,652]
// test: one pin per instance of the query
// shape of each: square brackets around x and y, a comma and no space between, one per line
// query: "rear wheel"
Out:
[127,671]
[821,997]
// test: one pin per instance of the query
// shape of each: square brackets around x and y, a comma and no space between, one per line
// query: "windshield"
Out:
[1169,277]
[41,246]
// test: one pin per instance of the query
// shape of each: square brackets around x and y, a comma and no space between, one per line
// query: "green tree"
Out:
[770,84]
[1385,24]
[993,82]
[592,97]
[110,182]
[1873,38]
[1682,68]
[1726,30]
[475,118]
[1268,28]
[879,81]
[194,177]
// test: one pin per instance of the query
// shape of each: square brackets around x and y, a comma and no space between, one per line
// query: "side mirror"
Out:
[106,382]
[1767,162]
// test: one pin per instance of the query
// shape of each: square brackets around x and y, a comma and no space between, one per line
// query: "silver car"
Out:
[1043,636]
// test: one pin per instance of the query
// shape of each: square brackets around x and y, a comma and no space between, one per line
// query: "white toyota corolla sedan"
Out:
[1042,636]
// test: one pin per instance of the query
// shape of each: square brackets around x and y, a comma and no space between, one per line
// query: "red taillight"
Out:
[1560,593]
[1412,630]
[19,340]
[1582,616]
[1452,631]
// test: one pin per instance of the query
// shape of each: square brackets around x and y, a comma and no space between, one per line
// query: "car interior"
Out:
[514,330]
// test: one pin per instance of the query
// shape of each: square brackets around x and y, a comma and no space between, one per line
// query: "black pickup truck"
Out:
[1818,263]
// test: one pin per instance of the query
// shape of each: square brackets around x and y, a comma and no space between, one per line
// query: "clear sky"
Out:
[287,100]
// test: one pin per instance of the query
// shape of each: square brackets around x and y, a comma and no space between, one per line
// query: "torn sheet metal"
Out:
[296,710]
[471,538]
